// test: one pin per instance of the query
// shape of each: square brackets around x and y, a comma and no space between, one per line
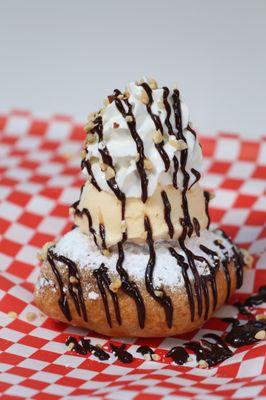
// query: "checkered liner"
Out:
[40,178]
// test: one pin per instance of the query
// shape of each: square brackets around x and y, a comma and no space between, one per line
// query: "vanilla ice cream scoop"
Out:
[142,160]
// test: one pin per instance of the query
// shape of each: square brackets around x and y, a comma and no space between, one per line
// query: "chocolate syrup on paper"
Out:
[250,302]
[121,353]
[212,352]
[84,347]
[145,350]
[178,354]
[242,335]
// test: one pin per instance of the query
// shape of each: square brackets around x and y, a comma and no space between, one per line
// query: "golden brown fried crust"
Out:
[46,298]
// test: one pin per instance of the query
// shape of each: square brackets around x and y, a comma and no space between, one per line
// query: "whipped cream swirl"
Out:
[150,107]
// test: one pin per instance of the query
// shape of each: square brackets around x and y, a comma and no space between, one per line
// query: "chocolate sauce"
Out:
[63,303]
[176,168]
[178,354]
[137,139]
[167,106]
[225,267]
[192,131]
[145,350]
[211,352]
[196,226]
[103,280]
[107,159]
[197,175]
[254,300]
[86,164]
[129,287]
[158,126]
[85,211]
[207,199]
[238,260]
[183,161]
[121,353]
[242,335]
[102,235]
[162,299]
[74,287]
[167,213]
[184,268]
[84,347]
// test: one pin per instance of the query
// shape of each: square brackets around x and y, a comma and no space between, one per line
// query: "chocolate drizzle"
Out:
[103,281]
[158,126]
[85,211]
[210,352]
[184,267]
[102,235]
[84,347]
[167,106]
[137,139]
[207,199]
[145,350]
[242,335]
[161,298]
[74,285]
[197,175]
[196,226]
[178,354]
[167,213]
[86,164]
[121,353]
[129,287]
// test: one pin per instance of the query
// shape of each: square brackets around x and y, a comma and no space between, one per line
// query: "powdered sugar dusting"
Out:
[81,249]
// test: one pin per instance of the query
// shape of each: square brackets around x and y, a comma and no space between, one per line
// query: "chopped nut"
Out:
[211,195]
[103,166]
[261,335]
[70,346]
[147,357]
[120,96]
[152,83]
[129,118]
[260,316]
[91,116]
[89,126]
[174,85]
[148,164]
[157,137]
[42,255]
[31,316]
[114,286]
[144,98]
[155,357]
[73,279]
[248,258]
[137,157]
[126,94]
[106,252]
[109,173]
[83,154]
[12,314]
[203,364]
[71,211]
[158,293]
[190,359]
[178,144]
[116,125]
[123,226]
[91,138]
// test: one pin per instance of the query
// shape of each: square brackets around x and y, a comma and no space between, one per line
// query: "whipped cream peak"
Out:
[140,139]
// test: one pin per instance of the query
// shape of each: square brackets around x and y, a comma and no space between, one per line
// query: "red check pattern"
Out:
[39,179]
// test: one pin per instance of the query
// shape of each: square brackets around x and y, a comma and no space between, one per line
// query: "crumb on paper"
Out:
[12,314]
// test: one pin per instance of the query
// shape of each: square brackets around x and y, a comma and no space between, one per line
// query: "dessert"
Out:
[141,259]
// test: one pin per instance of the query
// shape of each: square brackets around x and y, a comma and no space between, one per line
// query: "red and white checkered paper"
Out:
[40,178]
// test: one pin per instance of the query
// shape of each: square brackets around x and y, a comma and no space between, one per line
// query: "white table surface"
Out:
[66,56]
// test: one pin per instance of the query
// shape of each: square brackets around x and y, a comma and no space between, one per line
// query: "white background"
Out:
[66,56]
